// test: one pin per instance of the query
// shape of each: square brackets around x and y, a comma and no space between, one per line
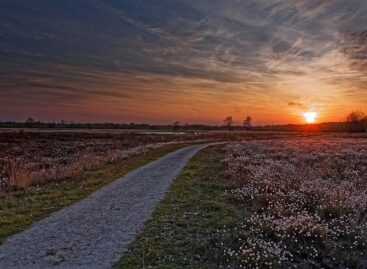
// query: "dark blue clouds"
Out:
[139,54]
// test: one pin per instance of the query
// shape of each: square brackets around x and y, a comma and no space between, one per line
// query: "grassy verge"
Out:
[187,228]
[21,208]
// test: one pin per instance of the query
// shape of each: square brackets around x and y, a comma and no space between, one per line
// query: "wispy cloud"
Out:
[228,56]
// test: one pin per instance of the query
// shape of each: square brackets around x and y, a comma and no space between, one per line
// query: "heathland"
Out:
[263,200]
[44,171]
[297,202]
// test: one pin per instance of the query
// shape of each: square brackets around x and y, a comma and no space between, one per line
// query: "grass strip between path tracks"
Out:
[185,229]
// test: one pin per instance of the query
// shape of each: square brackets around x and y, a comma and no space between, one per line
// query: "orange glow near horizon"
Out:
[145,70]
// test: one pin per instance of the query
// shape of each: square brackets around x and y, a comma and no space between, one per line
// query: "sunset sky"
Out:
[196,61]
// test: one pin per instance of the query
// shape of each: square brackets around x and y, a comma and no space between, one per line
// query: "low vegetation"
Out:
[34,158]
[28,159]
[22,207]
[308,199]
[188,228]
[267,200]
[279,203]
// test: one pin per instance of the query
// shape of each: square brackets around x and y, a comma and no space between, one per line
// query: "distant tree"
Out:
[228,122]
[247,122]
[176,126]
[29,122]
[356,121]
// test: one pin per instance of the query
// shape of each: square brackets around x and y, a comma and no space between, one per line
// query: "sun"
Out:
[310,117]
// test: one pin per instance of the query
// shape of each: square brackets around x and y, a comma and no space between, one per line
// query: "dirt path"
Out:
[94,232]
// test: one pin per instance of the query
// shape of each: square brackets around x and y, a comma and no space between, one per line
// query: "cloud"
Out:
[355,48]
[296,104]
[244,54]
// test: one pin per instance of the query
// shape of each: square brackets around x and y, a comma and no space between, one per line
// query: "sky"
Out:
[195,61]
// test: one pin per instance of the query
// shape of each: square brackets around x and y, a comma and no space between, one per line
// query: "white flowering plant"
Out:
[307,199]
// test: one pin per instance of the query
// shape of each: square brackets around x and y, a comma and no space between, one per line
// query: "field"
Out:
[40,156]
[264,200]
[35,158]
[23,206]
[308,202]
[43,171]
[278,203]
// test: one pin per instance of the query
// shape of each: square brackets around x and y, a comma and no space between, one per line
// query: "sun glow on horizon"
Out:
[310,117]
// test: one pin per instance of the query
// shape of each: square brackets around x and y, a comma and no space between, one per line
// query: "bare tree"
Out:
[228,122]
[356,121]
[176,126]
[247,122]
[29,122]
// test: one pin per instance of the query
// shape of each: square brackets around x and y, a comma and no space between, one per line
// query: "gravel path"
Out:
[94,232]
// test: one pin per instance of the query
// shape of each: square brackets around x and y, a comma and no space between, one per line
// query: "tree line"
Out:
[356,121]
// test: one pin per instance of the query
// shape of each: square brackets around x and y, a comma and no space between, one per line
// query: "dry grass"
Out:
[30,158]
[20,208]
